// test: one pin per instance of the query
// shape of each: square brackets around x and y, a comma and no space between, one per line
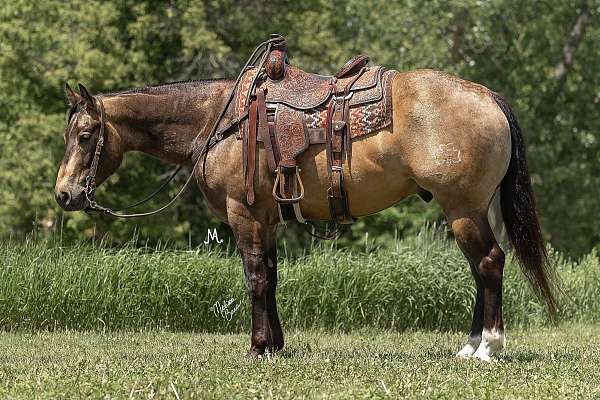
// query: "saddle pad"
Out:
[369,113]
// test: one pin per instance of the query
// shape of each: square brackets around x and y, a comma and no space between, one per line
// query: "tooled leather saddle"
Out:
[289,110]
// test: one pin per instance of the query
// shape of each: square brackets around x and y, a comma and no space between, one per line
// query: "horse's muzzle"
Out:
[71,197]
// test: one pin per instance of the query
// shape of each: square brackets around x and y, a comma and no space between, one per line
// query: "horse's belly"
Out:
[376,178]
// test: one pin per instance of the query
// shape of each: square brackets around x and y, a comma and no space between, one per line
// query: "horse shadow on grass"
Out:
[521,356]
[529,356]
[304,350]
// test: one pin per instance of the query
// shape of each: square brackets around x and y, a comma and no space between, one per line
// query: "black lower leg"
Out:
[491,269]
[477,323]
[257,282]
[274,323]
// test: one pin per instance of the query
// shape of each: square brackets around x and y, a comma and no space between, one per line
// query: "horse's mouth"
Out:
[73,207]
[71,197]
[87,208]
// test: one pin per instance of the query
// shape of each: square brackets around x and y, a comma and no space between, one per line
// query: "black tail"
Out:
[520,215]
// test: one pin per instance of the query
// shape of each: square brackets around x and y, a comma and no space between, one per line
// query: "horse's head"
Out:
[86,124]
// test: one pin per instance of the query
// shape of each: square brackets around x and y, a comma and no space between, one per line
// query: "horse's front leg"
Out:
[274,324]
[256,243]
[255,270]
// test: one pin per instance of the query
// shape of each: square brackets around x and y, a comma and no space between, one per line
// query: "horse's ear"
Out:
[73,97]
[87,98]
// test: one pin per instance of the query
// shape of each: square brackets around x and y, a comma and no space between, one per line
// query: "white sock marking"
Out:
[492,342]
[470,348]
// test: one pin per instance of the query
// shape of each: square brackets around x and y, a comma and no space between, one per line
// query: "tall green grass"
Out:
[424,282]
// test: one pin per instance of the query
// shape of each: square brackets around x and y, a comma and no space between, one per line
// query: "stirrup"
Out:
[296,208]
[291,200]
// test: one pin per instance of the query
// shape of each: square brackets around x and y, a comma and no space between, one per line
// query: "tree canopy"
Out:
[541,55]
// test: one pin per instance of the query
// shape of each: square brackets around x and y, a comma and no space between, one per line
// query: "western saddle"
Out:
[289,109]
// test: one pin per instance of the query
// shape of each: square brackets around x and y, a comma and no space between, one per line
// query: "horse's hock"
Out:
[289,110]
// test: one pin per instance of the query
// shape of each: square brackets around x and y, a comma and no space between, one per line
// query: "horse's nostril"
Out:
[65,198]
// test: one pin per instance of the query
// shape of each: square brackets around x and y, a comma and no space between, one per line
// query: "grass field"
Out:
[422,283]
[551,363]
[98,322]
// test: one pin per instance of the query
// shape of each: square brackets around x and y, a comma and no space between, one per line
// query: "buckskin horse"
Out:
[280,143]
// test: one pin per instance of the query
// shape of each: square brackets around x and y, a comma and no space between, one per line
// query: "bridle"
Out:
[214,136]
[90,180]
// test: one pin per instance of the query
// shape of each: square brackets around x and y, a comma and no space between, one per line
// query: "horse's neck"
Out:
[167,124]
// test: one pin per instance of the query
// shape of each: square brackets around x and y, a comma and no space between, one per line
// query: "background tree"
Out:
[541,55]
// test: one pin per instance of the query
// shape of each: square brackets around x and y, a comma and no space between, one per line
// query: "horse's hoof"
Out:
[466,352]
[255,354]
[481,356]
[493,342]
[470,348]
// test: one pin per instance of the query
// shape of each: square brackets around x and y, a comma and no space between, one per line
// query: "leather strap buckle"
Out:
[338,125]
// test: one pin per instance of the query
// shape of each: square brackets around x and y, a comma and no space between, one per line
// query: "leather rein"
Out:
[213,138]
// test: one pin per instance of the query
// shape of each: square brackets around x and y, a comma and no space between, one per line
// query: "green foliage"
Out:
[423,282]
[511,46]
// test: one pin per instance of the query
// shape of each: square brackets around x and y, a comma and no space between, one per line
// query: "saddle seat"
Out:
[290,109]
[304,90]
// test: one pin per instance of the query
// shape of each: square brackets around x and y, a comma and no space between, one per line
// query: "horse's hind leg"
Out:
[476,240]
[477,324]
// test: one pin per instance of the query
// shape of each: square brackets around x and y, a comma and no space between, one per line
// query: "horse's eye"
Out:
[84,136]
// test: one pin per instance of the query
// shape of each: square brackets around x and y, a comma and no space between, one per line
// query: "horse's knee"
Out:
[256,275]
[257,285]
[491,268]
